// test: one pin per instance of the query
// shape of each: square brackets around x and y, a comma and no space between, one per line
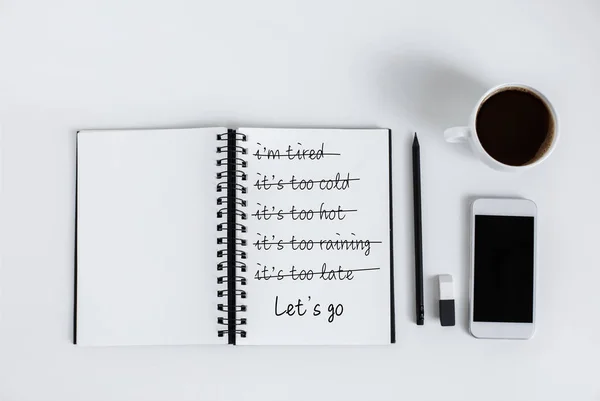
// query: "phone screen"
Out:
[504,263]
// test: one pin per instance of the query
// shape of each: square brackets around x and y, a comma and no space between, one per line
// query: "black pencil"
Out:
[420,308]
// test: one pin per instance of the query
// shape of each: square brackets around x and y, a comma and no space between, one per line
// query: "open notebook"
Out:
[247,236]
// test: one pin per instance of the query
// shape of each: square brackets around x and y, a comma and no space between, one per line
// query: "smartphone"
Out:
[503,268]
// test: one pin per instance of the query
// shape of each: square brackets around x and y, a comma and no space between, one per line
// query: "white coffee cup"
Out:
[469,133]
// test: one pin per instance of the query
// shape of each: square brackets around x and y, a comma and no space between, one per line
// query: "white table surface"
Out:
[407,65]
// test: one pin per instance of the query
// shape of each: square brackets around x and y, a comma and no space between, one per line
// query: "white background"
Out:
[407,65]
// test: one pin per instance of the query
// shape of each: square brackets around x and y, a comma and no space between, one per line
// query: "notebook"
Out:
[251,236]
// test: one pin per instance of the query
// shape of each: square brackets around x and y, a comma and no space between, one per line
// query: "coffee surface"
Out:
[514,127]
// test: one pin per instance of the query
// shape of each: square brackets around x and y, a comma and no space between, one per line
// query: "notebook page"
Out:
[318,237]
[146,237]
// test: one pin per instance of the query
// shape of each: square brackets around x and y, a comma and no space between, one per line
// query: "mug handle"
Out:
[457,134]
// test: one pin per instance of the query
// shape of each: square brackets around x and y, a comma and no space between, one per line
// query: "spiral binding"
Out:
[233,178]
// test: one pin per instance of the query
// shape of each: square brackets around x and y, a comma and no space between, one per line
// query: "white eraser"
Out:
[447,313]
[446,287]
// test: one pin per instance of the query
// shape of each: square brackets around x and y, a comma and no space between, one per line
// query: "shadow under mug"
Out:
[469,133]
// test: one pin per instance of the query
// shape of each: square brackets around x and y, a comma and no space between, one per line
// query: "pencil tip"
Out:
[415,138]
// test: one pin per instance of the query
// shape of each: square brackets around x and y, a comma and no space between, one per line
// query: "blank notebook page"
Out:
[319,237]
[146,244]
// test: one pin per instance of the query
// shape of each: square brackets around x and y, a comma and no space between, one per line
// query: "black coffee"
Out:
[514,126]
